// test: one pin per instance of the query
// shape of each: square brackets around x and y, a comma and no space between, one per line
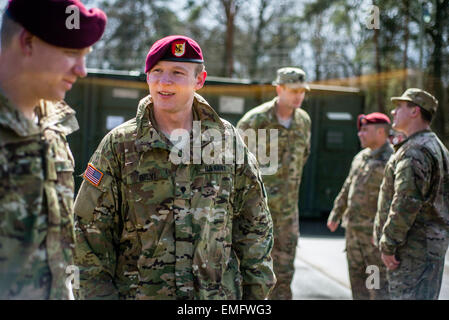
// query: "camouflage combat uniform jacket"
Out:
[413,209]
[36,202]
[152,229]
[293,151]
[356,204]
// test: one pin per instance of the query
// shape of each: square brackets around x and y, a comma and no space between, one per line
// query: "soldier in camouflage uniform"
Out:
[356,205]
[152,228]
[412,221]
[37,67]
[292,123]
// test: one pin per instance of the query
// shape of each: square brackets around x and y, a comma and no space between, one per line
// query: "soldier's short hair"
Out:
[199,68]
[425,115]
[8,29]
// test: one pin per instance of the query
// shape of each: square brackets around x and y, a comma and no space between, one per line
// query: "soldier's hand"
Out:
[332,225]
[390,261]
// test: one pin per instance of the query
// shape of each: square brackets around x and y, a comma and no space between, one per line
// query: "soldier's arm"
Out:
[411,186]
[242,126]
[341,201]
[308,134]
[97,230]
[253,231]
[382,211]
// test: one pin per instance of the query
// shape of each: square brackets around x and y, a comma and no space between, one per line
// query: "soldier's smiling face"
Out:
[52,70]
[172,85]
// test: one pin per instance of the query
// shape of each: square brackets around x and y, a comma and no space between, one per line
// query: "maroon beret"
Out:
[174,48]
[52,21]
[372,118]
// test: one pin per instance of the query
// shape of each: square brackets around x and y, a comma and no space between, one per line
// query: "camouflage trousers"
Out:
[416,279]
[361,253]
[286,234]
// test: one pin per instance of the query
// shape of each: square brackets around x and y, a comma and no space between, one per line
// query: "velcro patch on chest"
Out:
[154,175]
[215,168]
[93,175]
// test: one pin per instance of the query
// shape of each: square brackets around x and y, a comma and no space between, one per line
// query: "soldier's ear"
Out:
[26,42]
[278,90]
[200,79]
[379,131]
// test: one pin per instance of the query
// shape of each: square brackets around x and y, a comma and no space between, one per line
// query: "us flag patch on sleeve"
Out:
[93,175]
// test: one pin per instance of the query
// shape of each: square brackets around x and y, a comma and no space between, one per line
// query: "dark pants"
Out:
[416,279]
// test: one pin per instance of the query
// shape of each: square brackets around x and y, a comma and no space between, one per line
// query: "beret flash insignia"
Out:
[178,48]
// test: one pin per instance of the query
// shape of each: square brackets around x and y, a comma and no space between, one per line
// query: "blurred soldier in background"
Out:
[412,221]
[149,228]
[284,114]
[356,205]
[40,60]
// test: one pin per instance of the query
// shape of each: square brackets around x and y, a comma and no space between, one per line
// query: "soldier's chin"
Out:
[56,96]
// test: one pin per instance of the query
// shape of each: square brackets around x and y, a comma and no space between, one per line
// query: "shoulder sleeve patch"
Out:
[93,175]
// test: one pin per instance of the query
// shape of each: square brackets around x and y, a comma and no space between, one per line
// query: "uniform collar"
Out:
[14,120]
[148,136]
[410,138]
[296,116]
[381,150]
[49,114]
[57,115]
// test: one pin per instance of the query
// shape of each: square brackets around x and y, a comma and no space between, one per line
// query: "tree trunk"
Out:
[406,4]
[318,47]
[257,44]
[380,96]
[228,54]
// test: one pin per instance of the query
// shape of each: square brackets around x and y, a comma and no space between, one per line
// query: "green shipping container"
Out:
[105,99]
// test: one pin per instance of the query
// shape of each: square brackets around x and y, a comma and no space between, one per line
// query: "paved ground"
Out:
[317,277]
[321,267]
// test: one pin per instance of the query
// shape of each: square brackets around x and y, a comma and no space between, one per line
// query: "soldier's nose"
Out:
[80,69]
[165,78]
